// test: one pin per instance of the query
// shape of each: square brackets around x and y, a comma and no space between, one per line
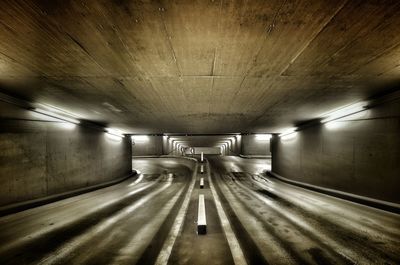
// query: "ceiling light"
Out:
[288,131]
[115,132]
[344,111]
[263,137]
[114,137]
[288,136]
[140,138]
[56,116]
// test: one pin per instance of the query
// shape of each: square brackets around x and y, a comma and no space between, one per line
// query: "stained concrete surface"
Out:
[40,158]
[252,145]
[151,145]
[358,154]
[199,66]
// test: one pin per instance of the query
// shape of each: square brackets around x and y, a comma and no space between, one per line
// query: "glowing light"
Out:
[288,131]
[140,138]
[67,125]
[114,137]
[344,111]
[53,108]
[56,116]
[115,132]
[289,136]
[333,125]
[263,137]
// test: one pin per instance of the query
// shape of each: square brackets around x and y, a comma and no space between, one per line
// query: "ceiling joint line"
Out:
[168,36]
[282,73]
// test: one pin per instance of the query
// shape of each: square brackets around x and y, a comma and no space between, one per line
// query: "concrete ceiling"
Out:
[202,66]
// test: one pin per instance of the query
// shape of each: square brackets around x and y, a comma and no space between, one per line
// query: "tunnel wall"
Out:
[237,147]
[40,159]
[153,146]
[358,155]
[207,150]
[253,146]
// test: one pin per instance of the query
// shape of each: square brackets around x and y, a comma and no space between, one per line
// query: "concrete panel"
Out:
[253,146]
[40,159]
[199,66]
[207,150]
[153,145]
[358,155]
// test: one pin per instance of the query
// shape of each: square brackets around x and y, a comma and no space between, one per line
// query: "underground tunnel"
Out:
[200,132]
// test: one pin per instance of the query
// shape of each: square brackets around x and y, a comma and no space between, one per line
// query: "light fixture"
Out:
[344,111]
[56,116]
[333,125]
[288,136]
[263,137]
[114,137]
[288,132]
[115,132]
[140,138]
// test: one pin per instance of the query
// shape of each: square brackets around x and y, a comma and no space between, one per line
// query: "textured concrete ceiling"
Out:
[202,66]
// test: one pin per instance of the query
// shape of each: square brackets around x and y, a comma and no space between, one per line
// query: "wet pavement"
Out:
[285,224]
[151,218]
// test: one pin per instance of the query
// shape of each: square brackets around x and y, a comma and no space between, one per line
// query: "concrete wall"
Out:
[153,145]
[207,150]
[253,146]
[41,158]
[203,141]
[359,155]
[237,145]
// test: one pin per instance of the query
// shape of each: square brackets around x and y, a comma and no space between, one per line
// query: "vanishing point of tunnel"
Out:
[199,132]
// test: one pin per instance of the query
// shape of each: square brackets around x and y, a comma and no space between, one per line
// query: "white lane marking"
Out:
[166,250]
[67,248]
[236,250]
[137,180]
[201,216]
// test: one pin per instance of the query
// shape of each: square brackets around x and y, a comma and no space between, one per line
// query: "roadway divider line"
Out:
[202,183]
[166,250]
[236,250]
[201,216]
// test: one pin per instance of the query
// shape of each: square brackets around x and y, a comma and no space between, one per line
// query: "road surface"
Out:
[151,218]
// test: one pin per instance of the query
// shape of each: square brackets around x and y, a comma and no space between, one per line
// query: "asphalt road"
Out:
[151,218]
[278,223]
[121,224]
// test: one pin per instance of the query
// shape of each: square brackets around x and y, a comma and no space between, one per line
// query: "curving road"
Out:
[122,224]
[278,223]
[151,219]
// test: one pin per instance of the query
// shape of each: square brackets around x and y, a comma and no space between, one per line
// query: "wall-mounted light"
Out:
[115,132]
[333,125]
[67,125]
[344,111]
[54,115]
[288,136]
[140,138]
[263,137]
[288,131]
